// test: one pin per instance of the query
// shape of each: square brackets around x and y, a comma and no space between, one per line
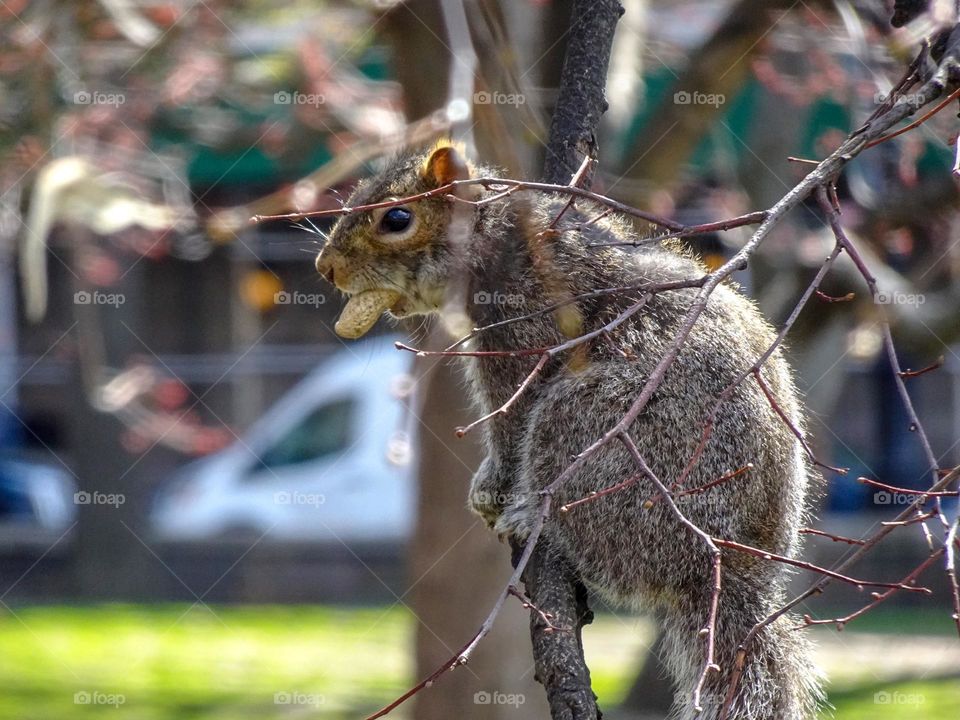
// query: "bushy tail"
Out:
[778,681]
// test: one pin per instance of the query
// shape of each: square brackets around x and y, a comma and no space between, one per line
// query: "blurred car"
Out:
[36,496]
[328,462]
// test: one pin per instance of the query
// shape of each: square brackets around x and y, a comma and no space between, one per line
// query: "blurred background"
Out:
[211,507]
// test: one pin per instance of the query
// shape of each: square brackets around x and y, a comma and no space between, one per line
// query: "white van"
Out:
[328,462]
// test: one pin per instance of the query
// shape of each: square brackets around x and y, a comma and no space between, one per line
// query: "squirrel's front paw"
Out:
[487,505]
[516,521]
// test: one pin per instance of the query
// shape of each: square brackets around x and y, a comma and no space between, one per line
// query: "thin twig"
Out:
[877,597]
[831,536]
[545,616]
[922,517]
[701,229]
[793,428]
[490,183]
[830,299]
[706,486]
[502,410]
[601,493]
[804,565]
[919,121]
[935,365]
[647,287]
[907,491]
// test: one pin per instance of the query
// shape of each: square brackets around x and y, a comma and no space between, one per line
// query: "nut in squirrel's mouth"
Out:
[364,308]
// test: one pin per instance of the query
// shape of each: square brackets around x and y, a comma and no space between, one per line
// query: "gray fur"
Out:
[641,558]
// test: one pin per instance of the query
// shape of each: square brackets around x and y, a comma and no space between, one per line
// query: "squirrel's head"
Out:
[395,258]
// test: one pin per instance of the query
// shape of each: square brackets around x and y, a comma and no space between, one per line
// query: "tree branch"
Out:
[581,101]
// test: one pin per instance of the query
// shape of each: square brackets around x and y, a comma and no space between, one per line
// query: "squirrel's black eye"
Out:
[396,220]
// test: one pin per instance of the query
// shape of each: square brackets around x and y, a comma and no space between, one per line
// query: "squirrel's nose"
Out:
[325,265]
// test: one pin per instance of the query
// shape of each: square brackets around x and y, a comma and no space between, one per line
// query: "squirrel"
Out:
[523,254]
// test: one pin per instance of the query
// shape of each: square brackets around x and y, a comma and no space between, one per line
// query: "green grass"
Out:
[174,662]
[926,699]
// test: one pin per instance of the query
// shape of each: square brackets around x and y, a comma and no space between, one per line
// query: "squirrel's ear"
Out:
[445,164]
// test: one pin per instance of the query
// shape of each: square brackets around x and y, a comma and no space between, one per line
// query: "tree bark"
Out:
[554,587]
[581,102]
